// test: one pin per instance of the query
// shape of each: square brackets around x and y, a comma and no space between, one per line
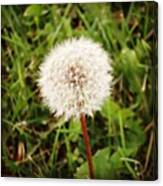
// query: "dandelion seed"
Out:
[75,78]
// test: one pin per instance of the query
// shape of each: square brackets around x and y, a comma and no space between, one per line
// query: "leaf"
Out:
[142,50]
[74,130]
[135,136]
[134,133]
[129,65]
[106,165]
[110,108]
[100,165]
[33,10]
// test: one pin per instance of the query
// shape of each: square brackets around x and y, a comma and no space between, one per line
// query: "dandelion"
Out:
[74,81]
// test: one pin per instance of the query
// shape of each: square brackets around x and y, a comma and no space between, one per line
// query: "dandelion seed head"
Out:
[75,78]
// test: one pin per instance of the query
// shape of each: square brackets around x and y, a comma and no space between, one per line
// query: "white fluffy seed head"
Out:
[75,78]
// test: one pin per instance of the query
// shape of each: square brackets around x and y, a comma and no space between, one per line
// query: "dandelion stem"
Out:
[87,144]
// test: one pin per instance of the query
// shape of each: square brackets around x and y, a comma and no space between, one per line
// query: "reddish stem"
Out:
[87,145]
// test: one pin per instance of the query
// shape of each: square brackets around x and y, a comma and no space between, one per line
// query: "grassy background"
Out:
[123,133]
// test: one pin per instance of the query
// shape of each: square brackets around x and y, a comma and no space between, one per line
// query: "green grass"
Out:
[123,141]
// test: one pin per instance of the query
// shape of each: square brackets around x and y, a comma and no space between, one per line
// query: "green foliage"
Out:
[106,165]
[128,136]
[34,143]
[33,10]
[75,127]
